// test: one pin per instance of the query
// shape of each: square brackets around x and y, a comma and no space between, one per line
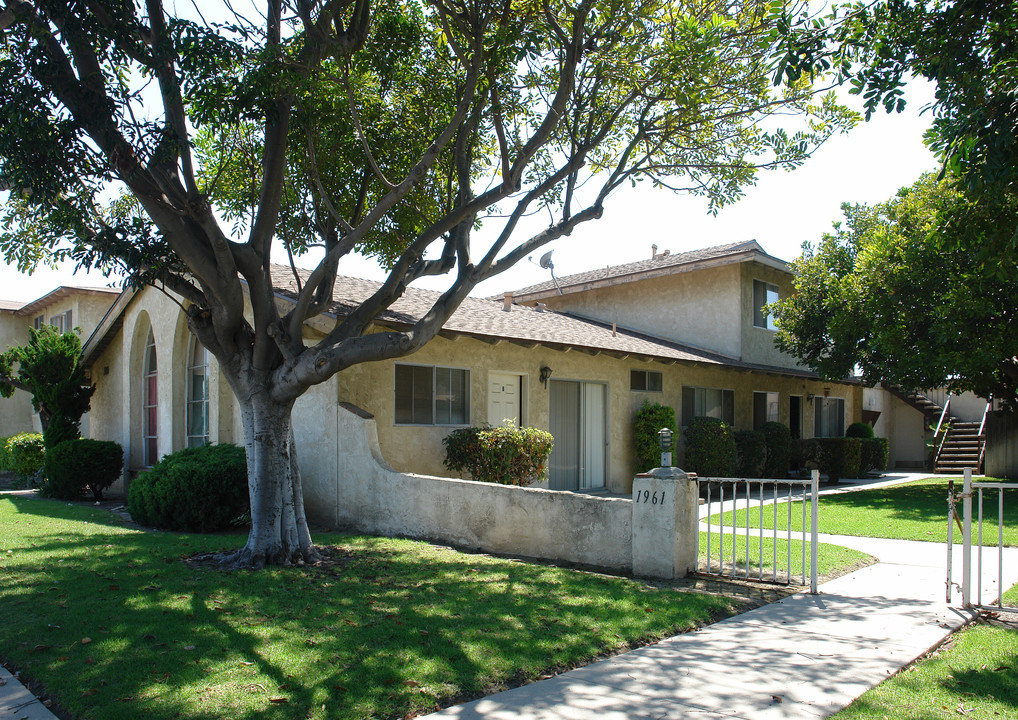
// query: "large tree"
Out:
[905,291]
[395,130]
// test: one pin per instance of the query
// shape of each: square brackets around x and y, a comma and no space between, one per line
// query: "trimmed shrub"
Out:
[646,446]
[506,455]
[835,457]
[751,452]
[3,454]
[859,430]
[25,455]
[873,454]
[76,465]
[196,489]
[710,448]
[779,450]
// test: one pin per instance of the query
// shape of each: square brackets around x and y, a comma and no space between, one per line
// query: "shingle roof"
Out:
[485,319]
[663,261]
[10,305]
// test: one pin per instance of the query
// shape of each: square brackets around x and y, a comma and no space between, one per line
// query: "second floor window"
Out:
[429,395]
[763,294]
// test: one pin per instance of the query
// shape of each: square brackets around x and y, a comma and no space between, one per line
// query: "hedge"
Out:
[710,448]
[779,450]
[507,455]
[751,451]
[76,465]
[197,489]
[874,454]
[648,420]
[835,457]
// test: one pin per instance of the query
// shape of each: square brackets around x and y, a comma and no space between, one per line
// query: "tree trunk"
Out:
[279,529]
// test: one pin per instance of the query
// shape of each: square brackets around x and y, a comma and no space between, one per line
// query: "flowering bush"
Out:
[507,455]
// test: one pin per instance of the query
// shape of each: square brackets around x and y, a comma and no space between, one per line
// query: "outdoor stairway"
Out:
[962,449]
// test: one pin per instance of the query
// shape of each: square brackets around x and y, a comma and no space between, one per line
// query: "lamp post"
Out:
[664,436]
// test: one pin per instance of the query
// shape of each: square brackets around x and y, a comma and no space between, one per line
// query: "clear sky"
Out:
[782,211]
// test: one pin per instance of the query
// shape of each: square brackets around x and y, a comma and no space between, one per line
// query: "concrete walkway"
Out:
[802,657]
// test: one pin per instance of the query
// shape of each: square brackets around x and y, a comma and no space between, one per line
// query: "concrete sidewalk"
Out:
[802,657]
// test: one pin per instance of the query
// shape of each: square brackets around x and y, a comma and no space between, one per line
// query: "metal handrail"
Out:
[943,414]
[940,423]
[982,426]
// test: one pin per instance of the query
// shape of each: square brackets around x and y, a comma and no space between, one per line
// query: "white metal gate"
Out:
[975,491]
[766,496]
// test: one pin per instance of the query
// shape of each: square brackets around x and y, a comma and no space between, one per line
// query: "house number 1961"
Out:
[646,496]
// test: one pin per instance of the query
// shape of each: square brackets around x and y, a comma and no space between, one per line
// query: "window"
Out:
[708,402]
[763,294]
[645,380]
[38,322]
[150,409]
[765,409]
[62,322]
[197,395]
[829,417]
[427,395]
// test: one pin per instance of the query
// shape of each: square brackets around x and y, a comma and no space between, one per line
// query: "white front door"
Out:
[504,391]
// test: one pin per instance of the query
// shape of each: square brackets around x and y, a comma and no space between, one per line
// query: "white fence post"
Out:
[664,524]
[814,522]
[966,553]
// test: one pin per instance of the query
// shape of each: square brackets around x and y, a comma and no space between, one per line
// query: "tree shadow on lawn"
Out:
[383,632]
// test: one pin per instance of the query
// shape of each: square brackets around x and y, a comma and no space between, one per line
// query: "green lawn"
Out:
[975,675]
[113,624]
[912,511]
[831,559]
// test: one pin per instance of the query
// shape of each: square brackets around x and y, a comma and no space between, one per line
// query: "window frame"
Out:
[646,374]
[62,322]
[726,393]
[762,319]
[150,403]
[190,403]
[767,408]
[466,380]
[819,412]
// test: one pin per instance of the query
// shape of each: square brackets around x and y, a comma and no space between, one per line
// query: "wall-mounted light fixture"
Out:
[545,374]
[827,392]
[809,398]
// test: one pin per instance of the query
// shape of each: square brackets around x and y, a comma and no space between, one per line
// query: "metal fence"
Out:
[736,538]
[976,491]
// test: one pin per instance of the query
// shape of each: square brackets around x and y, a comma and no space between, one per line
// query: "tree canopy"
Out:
[182,148]
[969,48]
[905,291]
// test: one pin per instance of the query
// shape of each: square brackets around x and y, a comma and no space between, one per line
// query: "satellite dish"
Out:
[545,260]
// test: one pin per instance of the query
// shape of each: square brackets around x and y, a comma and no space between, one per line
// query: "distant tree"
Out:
[393,129]
[48,369]
[906,291]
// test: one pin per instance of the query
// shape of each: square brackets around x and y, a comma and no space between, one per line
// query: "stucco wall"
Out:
[758,343]
[15,412]
[532,522]
[419,448]
[699,308]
